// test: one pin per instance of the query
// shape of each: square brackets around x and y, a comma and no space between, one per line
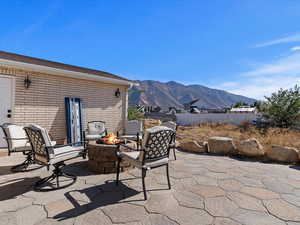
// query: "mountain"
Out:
[164,95]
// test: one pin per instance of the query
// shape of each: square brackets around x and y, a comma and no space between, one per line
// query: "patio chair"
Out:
[133,131]
[95,130]
[173,126]
[49,155]
[154,153]
[17,141]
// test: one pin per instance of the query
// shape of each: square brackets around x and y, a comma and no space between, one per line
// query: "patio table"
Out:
[103,158]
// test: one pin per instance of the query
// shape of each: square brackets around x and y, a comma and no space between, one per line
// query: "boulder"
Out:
[193,146]
[148,123]
[251,147]
[221,145]
[283,154]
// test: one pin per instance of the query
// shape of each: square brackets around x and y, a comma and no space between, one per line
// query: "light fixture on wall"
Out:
[27,82]
[117,93]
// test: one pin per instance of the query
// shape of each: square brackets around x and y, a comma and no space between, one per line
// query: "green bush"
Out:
[283,107]
[134,114]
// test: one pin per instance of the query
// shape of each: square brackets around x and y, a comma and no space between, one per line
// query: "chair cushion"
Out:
[130,137]
[27,147]
[133,159]
[15,131]
[96,128]
[170,124]
[65,153]
[155,163]
[93,136]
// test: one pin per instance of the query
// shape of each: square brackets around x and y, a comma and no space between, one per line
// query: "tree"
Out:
[239,104]
[134,114]
[283,107]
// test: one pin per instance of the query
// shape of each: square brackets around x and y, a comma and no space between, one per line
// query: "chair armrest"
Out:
[60,146]
[70,144]
[128,147]
[15,138]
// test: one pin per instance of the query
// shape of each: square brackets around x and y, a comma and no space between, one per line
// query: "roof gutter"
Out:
[62,72]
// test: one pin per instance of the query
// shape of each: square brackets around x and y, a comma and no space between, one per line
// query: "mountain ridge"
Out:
[175,94]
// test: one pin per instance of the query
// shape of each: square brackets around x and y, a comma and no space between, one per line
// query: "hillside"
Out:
[174,94]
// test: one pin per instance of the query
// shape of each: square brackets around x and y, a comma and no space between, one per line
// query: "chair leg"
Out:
[168,177]
[24,165]
[143,180]
[57,172]
[118,171]
[174,152]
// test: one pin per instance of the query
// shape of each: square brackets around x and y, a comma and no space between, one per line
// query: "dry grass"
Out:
[267,137]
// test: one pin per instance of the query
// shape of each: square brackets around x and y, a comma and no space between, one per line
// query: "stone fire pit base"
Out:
[103,158]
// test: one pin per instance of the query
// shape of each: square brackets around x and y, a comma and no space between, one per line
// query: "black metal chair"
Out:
[173,126]
[49,155]
[154,153]
[17,141]
[133,131]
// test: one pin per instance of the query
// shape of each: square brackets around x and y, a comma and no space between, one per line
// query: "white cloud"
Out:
[268,78]
[285,65]
[295,48]
[287,39]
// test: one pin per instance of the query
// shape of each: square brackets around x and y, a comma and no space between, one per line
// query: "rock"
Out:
[251,147]
[221,145]
[193,146]
[283,154]
[148,123]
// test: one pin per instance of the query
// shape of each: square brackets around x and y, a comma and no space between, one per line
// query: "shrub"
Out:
[134,114]
[283,107]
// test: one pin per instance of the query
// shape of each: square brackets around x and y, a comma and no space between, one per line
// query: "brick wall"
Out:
[43,102]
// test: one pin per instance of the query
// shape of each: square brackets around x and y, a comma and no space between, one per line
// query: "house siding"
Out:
[43,103]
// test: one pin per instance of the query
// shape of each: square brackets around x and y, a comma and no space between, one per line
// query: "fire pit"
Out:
[103,157]
[110,139]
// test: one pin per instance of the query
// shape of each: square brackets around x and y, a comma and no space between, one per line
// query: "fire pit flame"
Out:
[111,139]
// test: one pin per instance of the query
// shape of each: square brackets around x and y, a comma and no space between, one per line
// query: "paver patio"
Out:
[205,190]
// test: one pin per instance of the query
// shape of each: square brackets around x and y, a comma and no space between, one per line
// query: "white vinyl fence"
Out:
[188,119]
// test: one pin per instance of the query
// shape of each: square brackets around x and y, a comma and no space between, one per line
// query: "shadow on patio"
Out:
[12,188]
[109,194]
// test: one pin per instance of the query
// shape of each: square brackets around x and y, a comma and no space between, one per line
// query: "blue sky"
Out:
[248,47]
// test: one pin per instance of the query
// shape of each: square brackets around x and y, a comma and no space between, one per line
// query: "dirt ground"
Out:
[267,137]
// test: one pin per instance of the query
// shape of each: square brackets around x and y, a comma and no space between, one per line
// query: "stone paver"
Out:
[225,221]
[220,206]
[260,193]
[8,218]
[120,213]
[206,189]
[230,185]
[246,202]
[30,215]
[247,217]
[189,199]
[154,219]
[283,210]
